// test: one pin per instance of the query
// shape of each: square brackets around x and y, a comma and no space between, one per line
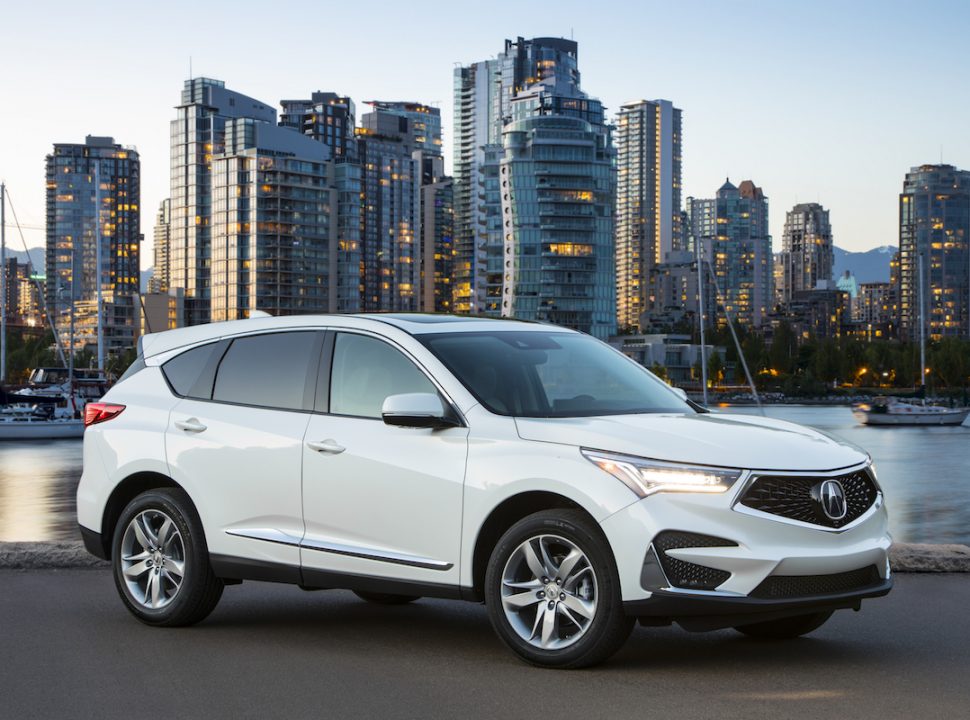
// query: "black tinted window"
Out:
[366,371]
[183,370]
[550,374]
[266,370]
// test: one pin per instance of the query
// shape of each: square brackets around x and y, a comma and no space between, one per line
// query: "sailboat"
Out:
[895,411]
[46,409]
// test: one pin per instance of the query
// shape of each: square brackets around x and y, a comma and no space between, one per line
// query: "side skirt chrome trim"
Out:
[282,538]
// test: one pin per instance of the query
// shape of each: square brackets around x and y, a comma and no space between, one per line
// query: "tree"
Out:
[715,369]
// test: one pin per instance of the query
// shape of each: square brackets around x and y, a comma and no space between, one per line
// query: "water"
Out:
[925,473]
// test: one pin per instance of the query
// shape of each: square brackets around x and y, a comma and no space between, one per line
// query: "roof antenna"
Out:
[190,67]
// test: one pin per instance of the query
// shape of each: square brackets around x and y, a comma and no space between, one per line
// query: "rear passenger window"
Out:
[266,370]
[366,371]
[183,370]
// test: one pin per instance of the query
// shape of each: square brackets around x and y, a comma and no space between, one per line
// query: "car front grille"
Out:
[688,575]
[792,497]
[777,587]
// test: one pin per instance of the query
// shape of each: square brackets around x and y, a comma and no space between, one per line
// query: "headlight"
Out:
[645,477]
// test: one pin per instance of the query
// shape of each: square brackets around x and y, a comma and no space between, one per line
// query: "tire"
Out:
[154,594]
[585,625]
[380,598]
[786,628]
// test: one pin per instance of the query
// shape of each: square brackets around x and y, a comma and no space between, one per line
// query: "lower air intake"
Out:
[688,575]
[792,586]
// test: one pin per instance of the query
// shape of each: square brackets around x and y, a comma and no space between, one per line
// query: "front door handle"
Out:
[191,425]
[331,447]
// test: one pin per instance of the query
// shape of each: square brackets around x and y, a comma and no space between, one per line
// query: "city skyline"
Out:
[776,114]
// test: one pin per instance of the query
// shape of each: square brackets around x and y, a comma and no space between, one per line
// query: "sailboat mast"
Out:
[97,261]
[700,313]
[3,282]
[922,323]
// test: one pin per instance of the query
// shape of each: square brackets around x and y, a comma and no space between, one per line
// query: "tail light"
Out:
[95,413]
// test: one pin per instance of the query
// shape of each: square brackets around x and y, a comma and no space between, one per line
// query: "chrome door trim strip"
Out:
[381,555]
[282,538]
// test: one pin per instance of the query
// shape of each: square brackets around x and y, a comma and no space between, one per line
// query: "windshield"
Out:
[547,374]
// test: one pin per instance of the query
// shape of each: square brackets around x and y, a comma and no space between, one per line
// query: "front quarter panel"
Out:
[502,465]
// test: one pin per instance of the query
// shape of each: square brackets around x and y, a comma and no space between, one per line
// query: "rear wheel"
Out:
[552,591]
[161,562]
[385,598]
[786,628]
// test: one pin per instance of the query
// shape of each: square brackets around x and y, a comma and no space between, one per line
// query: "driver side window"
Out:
[365,371]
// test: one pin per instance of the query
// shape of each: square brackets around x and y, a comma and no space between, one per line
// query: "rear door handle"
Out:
[191,425]
[331,447]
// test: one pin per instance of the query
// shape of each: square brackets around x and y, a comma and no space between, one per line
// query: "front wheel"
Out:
[786,628]
[552,591]
[161,562]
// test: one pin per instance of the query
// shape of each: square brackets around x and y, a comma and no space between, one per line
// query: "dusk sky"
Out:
[824,101]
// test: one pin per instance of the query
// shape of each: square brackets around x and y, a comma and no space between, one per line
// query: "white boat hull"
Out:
[950,417]
[41,429]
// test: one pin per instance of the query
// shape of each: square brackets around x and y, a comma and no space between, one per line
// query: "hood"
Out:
[736,441]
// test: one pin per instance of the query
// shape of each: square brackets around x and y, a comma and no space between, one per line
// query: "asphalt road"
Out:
[69,649]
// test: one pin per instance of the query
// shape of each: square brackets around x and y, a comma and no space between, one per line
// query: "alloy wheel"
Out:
[549,592]
[153,559]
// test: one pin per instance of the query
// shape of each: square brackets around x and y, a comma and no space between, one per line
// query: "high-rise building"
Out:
[675,295]
[162,237]
[327,117]
[93,199]
[648,214]
[807,254]
[732,231]
[197,135]
[23,294]
[273,223]
[330,118]
[437,243]
[873,310]
[390,217]
[533,174]
[934,226]
[558,188]
[484,93]
[476,153]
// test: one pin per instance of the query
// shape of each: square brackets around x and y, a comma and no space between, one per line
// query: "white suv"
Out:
[523,465]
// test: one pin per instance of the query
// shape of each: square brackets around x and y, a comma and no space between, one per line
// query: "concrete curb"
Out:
[72,555]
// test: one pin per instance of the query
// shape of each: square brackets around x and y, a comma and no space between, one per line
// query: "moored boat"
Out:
[892,411]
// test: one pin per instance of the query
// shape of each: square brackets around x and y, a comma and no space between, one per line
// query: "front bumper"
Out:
[757,550]
[712,612]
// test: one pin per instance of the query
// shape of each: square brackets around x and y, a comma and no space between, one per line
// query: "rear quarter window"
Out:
[184,370]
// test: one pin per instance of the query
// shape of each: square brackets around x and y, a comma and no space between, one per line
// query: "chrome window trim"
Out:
[756,474]
[282,538]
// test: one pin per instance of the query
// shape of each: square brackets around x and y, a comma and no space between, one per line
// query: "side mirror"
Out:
[417,410]
[680,392]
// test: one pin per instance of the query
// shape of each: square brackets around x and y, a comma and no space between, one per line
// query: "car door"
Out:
[234,442]
[379,501]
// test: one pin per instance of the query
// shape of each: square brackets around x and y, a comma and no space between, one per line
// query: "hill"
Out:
[869,266]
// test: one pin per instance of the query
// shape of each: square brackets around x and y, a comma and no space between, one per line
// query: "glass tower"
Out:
[648,217]
[273,224]
[93,196]
[197,135]
[934,224]
[732,231]
[557,210]
[807,254]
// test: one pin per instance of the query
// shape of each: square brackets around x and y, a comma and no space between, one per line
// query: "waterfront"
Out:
[924,471]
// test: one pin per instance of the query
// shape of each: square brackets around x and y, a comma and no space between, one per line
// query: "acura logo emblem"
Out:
[832,499]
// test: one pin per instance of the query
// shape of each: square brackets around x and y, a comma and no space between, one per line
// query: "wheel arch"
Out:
[505,515]
[126,491]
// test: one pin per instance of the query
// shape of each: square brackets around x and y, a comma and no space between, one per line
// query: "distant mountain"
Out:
[38,256]
[39,259]
[869,266]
